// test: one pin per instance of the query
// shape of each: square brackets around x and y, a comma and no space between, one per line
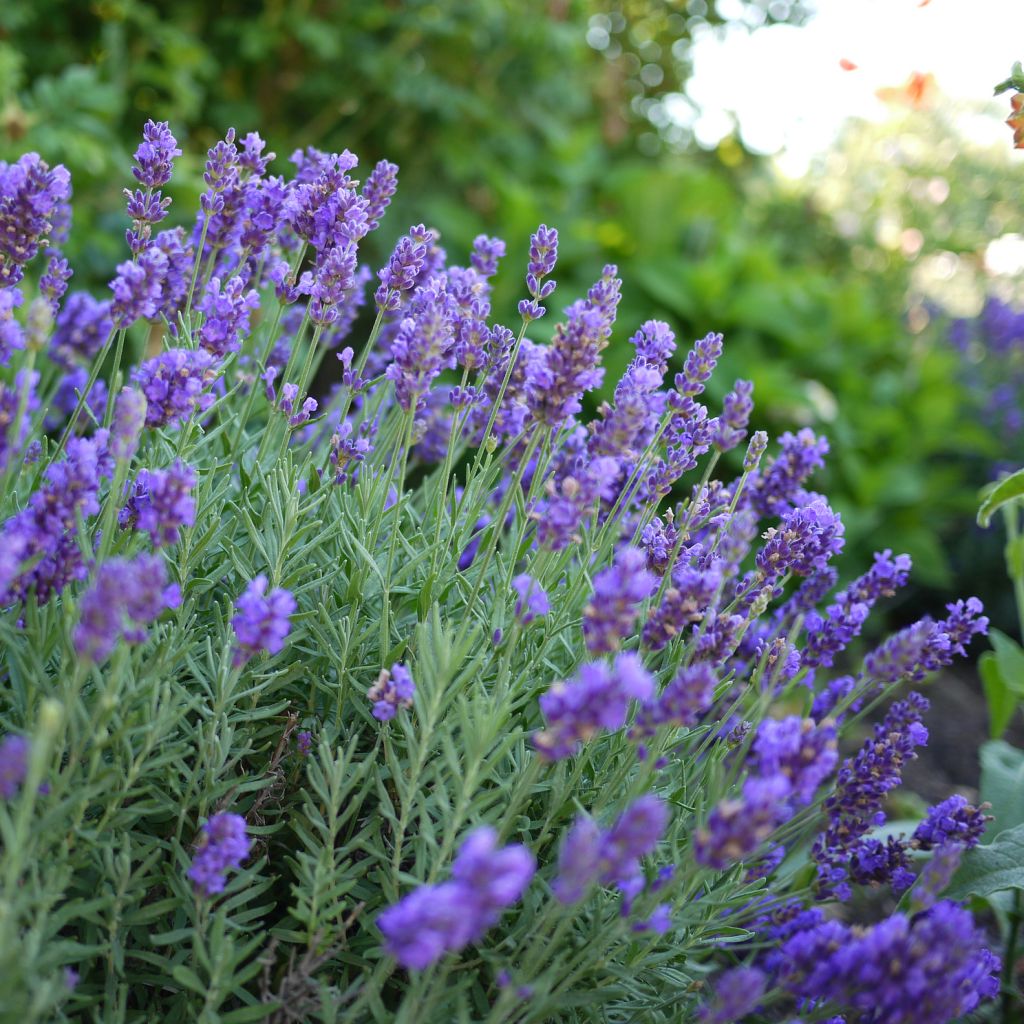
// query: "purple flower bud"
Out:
[162,503]
[31,197]
[175,385]
[737,993]
[128,423]
[394,689]
[531,600]
[155,155]
[619,590]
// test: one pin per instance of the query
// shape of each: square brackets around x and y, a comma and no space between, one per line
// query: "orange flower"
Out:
[919,92]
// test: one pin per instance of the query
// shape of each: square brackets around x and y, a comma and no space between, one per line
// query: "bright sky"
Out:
[789,94]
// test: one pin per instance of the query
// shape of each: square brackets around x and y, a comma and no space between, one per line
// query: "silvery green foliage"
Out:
[275,665]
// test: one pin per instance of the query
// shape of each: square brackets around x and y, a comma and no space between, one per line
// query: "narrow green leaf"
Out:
[999,698]
[995,497]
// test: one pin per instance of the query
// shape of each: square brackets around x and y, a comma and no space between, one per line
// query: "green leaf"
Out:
[1002,784]
[999,698]
[188,978]
[987,869]
[1009,489]
[1010,658]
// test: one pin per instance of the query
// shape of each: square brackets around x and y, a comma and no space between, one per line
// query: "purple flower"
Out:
[485,255]
[737,993]
[572,360]
[12,336]
[14,754]
[738,826]
[596,698]
[65,400]
[323,206]
[175,385]
[162,503]
[731,426]
[435,919]
[226,315]
[83,325]
[952,821]
[394,689]
[779,487]
[829,634]
[54,281]
[804,541]
[681,704]
[699,365]
[31,197]
[933,967]
[47,530]
[531,600]
[125,597]
[855,806]
[138,288]
[619,590]
[155,155]
[261,620]
[128,423]
[402,270]
[683,604]
[380,185]
[19,397]
[543,256]
[422,348]
[798,749]
[572,500]
[590,854]
[304,742]
[224,846]
[925,646]
[935,876]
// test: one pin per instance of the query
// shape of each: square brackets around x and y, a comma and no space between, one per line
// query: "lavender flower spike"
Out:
[224,846]
[261,622]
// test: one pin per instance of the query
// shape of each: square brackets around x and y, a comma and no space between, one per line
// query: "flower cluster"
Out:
[435,919]
[262,620]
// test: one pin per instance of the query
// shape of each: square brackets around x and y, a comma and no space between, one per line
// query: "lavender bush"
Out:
[427,698]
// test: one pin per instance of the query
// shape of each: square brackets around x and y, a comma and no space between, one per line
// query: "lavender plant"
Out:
[427,697]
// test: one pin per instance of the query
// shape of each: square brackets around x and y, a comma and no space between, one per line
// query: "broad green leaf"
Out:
[1002,784]
[1010,657]
[1009,489]
[988,869]
[999,698]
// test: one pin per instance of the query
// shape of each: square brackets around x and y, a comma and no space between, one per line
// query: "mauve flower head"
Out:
[224,845]
[731,426]
[14,753]
[778,487]
[596,698]
[19,396]
[436,919]
[125,597]
[83,325]
[486,254]
[262,620]
[855,806]
[737,993]
[394,689]
[589,854]
[54,281]
[175,384]
[800,750]
[422,348]
[162,503]
[128,423]
[953,820]
[928,969]
[380,185]
[12,335]
[684,604]
[138,288]
[531,599]
[682,703]
[226,315]
[154,158]
[738,826]
[699,365]
[803,542]
[543,256]
[31,195]
[619,590]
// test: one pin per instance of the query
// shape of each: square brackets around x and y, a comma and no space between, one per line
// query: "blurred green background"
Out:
[506,113]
